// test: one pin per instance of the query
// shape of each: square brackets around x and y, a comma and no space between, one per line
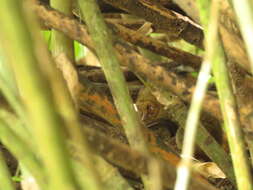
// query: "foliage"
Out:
[110,94]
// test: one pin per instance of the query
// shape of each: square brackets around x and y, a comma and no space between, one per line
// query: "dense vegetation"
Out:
[126,94]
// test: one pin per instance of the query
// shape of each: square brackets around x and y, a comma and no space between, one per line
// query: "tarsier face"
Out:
[148,107]
[149,110]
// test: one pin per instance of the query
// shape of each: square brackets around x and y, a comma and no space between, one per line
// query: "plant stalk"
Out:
[37,97]
[184,168]
[60,42]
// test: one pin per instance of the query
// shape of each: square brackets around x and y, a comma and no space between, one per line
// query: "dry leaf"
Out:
[209,169]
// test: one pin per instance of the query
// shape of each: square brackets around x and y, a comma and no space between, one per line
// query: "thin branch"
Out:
[67,25]
[163,19]
[157,46]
